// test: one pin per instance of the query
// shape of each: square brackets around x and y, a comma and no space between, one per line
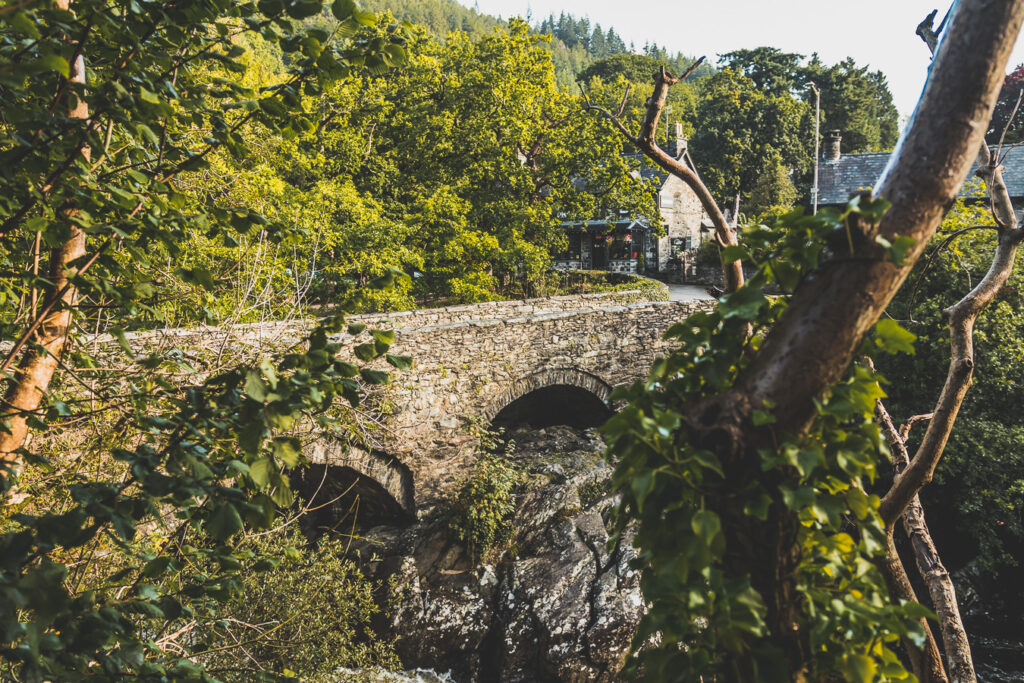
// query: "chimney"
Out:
[833,139]
[677,141]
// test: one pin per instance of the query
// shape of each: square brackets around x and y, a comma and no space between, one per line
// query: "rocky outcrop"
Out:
[557,604]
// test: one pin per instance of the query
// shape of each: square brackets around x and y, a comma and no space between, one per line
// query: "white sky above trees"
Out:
[879,33]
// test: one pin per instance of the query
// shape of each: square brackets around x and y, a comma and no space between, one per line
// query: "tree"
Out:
[855,101]
[772,70]
[1007,115]
[725,234]
[475,144]
[745,450]
[106,106]
[746,134]
[639,69]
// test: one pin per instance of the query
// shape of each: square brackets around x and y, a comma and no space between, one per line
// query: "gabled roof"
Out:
[838,180]
[650,170]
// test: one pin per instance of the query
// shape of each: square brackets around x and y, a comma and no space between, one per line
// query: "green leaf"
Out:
[365,18]
[384,336]
[52,62]
[346,369]
[757,505]
[156,567]
[22,24]
[734,253]
[859,668]
[122,340]
[224,522]
[255,387]
[261,470]
[365,352]
[282,493]
[36,224]
[400,362]
[374,376]
[891,338]
[287,449]
[744,303]
[706,525]
[899,249]
[148,96]
[709,461]
[641,485]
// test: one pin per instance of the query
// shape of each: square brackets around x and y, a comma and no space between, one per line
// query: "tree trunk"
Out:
[829,316]
[40,361]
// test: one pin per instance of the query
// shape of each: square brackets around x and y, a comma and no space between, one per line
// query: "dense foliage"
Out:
[1006,107]
[124,535]
[855,101]
[975,501]
[707,617]
[307,617]
[456,168]
[480,516]
[749,140]
[574,43]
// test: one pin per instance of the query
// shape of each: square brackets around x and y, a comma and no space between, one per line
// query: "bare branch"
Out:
[929,565]
[692,68]
[590,106]
[927,663]
[905,428]
[725,234]
[931,259]
[625,96]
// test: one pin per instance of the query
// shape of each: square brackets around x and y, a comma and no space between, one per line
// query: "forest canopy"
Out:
[252,162]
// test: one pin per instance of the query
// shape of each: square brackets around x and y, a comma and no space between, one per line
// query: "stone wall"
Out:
[275,334]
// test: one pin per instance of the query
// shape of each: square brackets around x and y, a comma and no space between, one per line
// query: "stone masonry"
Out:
[469,362]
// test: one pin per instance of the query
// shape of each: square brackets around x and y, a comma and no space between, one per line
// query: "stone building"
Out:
[625,244]
[840,176]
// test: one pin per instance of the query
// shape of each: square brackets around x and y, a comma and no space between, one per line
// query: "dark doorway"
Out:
[600,254]
[340,498]
[559,404]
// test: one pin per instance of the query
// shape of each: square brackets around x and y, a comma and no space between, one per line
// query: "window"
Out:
[667,201]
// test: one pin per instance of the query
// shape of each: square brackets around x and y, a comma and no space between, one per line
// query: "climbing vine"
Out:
[706,617]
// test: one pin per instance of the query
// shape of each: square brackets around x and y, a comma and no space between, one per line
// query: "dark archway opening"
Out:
[559,404]
[340,498]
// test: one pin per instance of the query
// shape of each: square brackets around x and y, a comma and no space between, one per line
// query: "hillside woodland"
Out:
[166,165]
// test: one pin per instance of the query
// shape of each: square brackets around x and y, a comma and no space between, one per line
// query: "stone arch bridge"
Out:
[547,361]
[553,360]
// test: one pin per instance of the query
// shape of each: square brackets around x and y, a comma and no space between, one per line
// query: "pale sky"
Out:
[879,33]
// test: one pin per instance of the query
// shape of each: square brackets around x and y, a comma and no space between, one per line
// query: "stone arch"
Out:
[385,471]
[556,377]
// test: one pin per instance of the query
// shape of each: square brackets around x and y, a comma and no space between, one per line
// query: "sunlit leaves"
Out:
[199,450]
[891,338]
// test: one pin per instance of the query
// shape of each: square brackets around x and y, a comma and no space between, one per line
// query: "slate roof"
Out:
[603,226]
[838,180]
